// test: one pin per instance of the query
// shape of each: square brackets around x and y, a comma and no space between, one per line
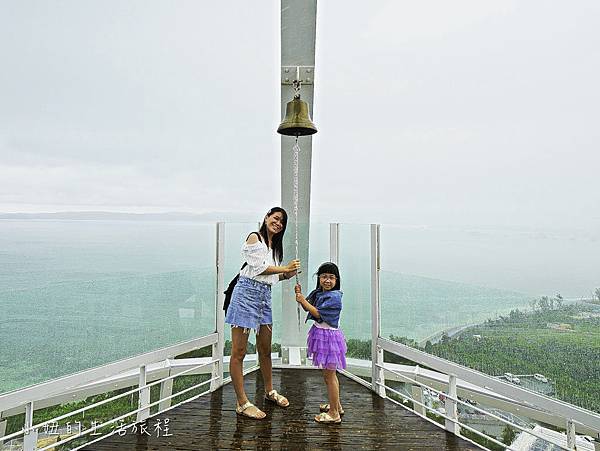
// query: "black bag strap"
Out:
[257,234]
[229,291]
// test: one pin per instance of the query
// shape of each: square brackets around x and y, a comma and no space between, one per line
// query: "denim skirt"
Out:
[250,305]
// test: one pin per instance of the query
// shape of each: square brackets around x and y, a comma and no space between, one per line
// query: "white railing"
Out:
[83,384]
[155,368]
[572,418]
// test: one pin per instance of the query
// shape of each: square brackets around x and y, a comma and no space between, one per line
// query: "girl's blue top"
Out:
[329,305]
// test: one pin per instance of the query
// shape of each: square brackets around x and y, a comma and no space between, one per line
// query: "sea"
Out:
[76,294]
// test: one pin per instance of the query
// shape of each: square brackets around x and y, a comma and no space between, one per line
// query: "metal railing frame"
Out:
[574,417]
[27,397]
[30,430]
[453,418]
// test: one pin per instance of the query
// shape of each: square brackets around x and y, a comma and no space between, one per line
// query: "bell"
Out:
[297,120]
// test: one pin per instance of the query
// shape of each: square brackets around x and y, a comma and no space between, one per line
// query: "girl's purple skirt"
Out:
[327,348]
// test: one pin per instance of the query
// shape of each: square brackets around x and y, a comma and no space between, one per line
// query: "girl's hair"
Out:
[277,241]
[329,268]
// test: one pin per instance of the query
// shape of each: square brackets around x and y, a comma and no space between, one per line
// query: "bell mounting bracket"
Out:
[304,74]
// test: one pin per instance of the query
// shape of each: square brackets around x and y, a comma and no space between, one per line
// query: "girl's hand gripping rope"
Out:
[298,291]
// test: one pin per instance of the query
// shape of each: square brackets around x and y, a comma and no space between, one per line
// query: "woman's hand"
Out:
[294,265]
[289,275]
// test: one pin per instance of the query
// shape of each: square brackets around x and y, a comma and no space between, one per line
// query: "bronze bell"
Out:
[297,120]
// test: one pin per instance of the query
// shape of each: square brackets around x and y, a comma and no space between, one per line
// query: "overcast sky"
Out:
[429,112]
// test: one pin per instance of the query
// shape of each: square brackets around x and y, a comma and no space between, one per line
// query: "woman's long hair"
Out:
[277,241]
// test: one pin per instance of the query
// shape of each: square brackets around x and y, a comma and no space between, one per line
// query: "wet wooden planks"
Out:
[369,421]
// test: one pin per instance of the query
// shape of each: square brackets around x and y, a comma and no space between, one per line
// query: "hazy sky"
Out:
[429,112]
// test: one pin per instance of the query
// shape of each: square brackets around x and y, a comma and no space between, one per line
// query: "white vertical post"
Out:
[298,36]
[570,434]
[30,437]
[334,243]
[2,428]
[219,347]
[377,374]
[417,395]
[166,390]
[143,396]
[451,406]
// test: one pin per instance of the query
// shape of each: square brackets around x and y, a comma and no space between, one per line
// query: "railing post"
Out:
[377,374]
[143,396]
[2,427]
[334,242]
[451,406]
[416,392]
[166,390]
[219,346]
[570,434]
[30,437]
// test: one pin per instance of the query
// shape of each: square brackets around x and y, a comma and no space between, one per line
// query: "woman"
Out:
[250,306]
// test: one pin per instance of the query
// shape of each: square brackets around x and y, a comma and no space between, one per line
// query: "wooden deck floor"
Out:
[370,422]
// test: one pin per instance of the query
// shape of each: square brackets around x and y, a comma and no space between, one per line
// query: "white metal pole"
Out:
[571,434]
[166,390]
[2,427]
[30,437]
[417,394]
[144,396]
[219,346]
[377,373]
[451,406]
[334,242]
[298,35]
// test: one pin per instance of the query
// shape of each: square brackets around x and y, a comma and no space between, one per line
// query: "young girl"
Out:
[326,343]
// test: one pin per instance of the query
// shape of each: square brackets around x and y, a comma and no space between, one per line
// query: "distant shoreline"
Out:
[115,216]
[434,338]
[457,330]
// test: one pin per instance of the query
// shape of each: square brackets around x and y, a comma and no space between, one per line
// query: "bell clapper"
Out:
[297,84]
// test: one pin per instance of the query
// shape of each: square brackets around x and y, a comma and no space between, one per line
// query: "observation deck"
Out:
[210,422]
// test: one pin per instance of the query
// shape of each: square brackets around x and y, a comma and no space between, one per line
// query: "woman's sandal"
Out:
[325,418]
[278,399]
[242,410]
[325,408]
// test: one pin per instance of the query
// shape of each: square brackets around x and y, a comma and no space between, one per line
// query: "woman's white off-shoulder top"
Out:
[259,257]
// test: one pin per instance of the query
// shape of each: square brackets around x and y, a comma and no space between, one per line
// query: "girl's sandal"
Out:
[327,419]
[242,410]
[325,408]
[278,399]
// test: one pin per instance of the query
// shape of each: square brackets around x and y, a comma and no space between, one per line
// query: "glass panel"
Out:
[355,271]
[79,294]
[514,304]
[319,251]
